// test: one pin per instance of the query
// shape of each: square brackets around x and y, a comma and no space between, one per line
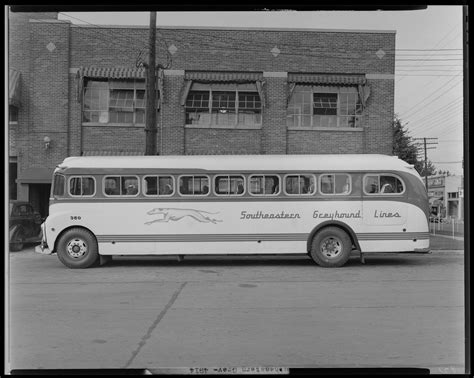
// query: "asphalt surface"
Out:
[157,313]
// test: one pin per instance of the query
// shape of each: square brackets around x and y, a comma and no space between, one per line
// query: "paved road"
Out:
[393,311]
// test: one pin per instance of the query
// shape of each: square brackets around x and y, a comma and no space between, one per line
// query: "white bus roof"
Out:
[342,162]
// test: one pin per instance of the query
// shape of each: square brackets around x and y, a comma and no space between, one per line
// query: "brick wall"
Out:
[48,83]
[51,108]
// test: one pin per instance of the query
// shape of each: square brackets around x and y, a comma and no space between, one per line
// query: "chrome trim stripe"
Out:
[249,237]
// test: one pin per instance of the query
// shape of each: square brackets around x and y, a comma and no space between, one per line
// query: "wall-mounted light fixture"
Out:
[46,141]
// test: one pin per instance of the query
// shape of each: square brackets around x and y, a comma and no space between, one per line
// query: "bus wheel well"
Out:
[344,227]
[67,229]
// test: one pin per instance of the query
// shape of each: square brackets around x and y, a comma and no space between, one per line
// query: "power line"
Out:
[448,107]
[429,120]
[254,43]
[433,93]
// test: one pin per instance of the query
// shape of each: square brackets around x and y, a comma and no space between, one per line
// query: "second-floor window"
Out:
[110,101]
[324,106]
[230,105]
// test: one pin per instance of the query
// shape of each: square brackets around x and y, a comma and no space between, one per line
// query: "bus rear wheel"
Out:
[77,248]
[331,247]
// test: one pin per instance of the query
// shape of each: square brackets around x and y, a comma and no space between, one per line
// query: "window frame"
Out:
[295,120]
[120,195]
[194,195]
[315,190]
[233,88]
[229,176]
[81,177]
[334,174]
[264,194]
[158,182]
[379,188]
[54,185]
[134,85]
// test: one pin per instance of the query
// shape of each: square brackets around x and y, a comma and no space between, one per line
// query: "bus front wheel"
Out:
[331,247]
[77,248]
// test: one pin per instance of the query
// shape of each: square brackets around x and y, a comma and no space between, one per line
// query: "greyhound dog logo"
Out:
[173,214]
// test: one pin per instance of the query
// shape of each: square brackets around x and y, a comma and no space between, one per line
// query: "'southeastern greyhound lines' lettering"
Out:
[261,215]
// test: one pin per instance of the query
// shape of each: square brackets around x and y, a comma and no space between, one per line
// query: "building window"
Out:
[120,102]
[452,195]
[228,105]
[324,106]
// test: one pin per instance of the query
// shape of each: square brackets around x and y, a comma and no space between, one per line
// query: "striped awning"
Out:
[112,72]
[113,153]
[222,76]
[326,79]
[14,87]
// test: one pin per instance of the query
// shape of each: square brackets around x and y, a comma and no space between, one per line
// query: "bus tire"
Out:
[78,249]
[331,247]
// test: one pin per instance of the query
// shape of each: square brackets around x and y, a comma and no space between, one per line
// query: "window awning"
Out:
[327,79]
[36,176]
[112,72]
[14,87]
[117,73]
[222,76]
[112,153]
[358,80]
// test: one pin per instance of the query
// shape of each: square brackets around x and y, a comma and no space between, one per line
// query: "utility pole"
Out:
[150,125]
[426,141]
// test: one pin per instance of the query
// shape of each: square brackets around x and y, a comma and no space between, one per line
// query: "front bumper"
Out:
[43,249]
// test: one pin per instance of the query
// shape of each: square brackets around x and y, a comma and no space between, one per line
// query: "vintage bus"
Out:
[326,206]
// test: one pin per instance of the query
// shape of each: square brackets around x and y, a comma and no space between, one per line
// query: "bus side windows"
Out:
[264,185]
[383,184]
[129,186]
[112,186]
[300,184]
[229,185]
[81,186]
[335,184]
[371,184]
[194,185]
[121,185]
[158,186]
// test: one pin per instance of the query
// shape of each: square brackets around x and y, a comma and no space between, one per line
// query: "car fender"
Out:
[13,230]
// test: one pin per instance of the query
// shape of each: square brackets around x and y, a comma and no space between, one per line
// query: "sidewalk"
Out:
[446,242]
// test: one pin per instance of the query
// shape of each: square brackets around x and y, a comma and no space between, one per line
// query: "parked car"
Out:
[25,225]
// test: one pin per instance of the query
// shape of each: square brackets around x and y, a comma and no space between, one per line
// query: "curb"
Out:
[447,251]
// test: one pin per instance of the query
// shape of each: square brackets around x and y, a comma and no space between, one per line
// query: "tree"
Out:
[405,148]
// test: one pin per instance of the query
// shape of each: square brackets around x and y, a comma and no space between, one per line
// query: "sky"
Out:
[428,64]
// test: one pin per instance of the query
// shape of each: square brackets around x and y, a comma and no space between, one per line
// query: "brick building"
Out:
[77,90]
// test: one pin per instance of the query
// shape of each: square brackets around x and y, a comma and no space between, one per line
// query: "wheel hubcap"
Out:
[76,248]
[331,247]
